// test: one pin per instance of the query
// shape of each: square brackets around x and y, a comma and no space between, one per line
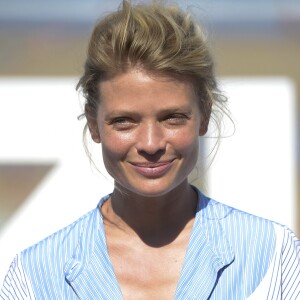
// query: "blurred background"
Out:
[48,39]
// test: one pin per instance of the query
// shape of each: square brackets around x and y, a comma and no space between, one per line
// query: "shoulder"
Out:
[47,258]
[62,240]
[246,226]
[249,224]
[66,239]
[233,219]
[251,238]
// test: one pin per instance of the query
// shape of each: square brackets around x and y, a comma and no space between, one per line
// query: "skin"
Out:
[148,126]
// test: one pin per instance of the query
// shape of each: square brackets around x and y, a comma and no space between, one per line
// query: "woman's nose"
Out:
[151,138]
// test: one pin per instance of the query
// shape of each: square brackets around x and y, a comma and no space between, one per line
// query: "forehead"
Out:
[138,86]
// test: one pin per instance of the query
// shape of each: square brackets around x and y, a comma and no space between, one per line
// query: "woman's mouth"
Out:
[152,170]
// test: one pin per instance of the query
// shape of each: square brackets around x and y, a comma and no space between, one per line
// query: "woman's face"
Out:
[148,126]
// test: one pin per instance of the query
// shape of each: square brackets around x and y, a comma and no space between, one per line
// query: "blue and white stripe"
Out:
[231,255]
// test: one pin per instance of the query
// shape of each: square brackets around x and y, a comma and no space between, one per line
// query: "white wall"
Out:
[255,169]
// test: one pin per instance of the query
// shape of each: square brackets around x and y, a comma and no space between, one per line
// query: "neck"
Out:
[156,220]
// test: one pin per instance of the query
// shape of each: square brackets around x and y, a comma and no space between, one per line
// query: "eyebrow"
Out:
[175,109]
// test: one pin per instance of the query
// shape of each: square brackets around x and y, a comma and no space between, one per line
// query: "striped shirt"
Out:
[231,255]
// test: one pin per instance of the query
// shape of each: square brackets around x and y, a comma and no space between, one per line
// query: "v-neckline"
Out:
[103,236]
[207,252]
[198,231]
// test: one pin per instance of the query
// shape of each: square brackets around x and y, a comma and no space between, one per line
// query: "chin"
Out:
[150,189]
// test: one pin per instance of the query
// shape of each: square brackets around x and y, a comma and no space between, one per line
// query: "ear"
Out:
[203,126]
[205,120]
[94,130]
[92,125]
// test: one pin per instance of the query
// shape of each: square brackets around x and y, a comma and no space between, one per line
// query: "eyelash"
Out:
[120,120]
[122,123]
[176,119]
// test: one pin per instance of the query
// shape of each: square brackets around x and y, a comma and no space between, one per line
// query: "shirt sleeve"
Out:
[16,285]
[290,266]
[282,281]
[285,280]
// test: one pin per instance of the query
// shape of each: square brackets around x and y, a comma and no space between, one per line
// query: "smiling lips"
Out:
[152,170]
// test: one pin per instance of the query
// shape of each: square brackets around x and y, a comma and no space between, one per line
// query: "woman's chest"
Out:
[147,272]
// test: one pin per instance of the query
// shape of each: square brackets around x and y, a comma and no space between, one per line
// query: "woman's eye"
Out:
[120,120]
[122,123]
[176,119]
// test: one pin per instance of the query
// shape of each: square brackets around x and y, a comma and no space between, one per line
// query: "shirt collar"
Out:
[208,253]
[89,270]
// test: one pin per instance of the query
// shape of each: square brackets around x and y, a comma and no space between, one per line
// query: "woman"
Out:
[150,90]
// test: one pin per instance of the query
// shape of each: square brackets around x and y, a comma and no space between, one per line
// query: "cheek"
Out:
[187,143]
[115,146]
[191,153]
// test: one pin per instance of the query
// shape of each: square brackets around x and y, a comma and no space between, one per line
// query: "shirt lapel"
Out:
[91,275]
[208,253]
[89,271]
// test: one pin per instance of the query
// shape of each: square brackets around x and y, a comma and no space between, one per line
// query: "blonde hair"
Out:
[156,37]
